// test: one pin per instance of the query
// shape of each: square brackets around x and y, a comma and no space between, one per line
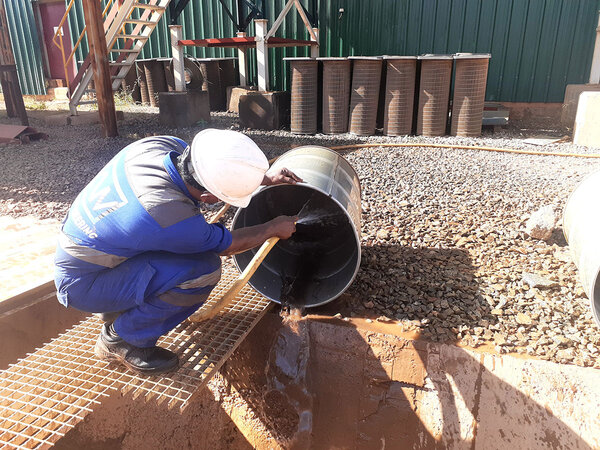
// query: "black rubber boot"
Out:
[151,360]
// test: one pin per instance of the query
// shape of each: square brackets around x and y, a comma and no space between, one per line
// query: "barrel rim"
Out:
[431,56]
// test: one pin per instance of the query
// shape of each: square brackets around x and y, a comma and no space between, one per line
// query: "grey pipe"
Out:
[320,261]
[580,225]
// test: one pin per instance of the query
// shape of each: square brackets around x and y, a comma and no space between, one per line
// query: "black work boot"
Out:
[151,360]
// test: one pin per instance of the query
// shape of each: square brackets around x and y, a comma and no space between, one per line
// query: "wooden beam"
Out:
[307,24]
[97,44]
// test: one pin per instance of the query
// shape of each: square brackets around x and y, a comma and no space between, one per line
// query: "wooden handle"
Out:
[238,284]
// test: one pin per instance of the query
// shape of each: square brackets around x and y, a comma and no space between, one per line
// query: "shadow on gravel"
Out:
[434,288]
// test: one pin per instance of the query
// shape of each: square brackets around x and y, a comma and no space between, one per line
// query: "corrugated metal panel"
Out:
[26,46]
[537,46]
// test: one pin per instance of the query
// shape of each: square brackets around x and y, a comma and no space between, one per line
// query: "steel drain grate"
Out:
[48,392]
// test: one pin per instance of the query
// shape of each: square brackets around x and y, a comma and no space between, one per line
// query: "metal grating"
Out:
[48,392]
[304,97]
[364,99]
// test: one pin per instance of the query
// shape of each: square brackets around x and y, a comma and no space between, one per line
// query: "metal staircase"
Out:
[125,38]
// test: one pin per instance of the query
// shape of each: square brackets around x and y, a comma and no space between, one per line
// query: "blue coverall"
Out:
[134,241]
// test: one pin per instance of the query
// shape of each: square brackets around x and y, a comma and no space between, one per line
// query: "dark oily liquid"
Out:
[313,238]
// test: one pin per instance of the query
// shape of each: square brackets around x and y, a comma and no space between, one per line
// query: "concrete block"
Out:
[537,405]
[59,93]
[233,96]
[265,110]
[184,109]
[587,122]
[569,107]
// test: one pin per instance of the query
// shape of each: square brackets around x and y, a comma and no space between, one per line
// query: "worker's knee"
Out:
[194,291]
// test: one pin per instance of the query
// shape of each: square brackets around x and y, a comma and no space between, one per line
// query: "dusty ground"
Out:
[442,240]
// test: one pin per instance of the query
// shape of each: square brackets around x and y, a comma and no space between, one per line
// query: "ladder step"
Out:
[146,6]
[123,50]
[132,36]
[120,64]
[139,21]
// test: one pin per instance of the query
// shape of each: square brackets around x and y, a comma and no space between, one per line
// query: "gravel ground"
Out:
[442,234]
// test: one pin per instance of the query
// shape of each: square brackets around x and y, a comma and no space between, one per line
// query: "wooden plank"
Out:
[97,43]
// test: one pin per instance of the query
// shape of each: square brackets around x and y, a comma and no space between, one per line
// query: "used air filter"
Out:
[399,95]
[155,78]
[366,77]
[229,76]
[434,93]
[336,94]
[141,71]
[470,80]
[305,83]
[209,67]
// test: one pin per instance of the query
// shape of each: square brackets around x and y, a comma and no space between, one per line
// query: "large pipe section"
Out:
[580,226]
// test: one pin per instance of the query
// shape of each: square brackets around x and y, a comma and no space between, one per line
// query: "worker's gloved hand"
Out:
[283,226]
[282,176]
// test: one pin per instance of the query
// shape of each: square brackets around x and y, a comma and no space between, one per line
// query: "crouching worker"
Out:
[134,243]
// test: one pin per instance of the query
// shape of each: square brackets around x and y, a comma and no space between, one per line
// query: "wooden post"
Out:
[241,51]
[97,44]
[314,49]
[262,54]
[13,98]
[178,63]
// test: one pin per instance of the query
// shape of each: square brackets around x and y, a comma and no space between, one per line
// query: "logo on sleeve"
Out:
[105,195]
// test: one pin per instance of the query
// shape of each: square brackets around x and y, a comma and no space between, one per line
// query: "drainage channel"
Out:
[51,390]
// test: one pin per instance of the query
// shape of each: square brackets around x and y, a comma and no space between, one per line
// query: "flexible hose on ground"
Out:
[423,144]
[463,147]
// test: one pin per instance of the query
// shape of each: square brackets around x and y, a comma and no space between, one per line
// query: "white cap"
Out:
[228,164]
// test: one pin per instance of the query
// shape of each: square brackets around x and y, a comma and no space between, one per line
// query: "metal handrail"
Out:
[59,34]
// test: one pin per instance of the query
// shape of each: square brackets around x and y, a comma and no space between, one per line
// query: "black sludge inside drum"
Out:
[317,263]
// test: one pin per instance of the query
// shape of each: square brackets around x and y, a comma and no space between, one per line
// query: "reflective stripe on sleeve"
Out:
[209,279]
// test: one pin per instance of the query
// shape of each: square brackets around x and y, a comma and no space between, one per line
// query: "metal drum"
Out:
[470,81]
[434,93]
[320,261]
[399,95]
[336,94]
[580,226]
[304,98]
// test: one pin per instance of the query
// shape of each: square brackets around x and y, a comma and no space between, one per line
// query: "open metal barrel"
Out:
[321,259]
[580,226]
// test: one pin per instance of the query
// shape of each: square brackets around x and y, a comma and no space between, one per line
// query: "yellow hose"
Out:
[464,147]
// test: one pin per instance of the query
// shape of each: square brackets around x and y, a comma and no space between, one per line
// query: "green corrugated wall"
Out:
[26,48]
[537,46]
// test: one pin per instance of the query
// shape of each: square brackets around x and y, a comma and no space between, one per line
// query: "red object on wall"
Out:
[52,14]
